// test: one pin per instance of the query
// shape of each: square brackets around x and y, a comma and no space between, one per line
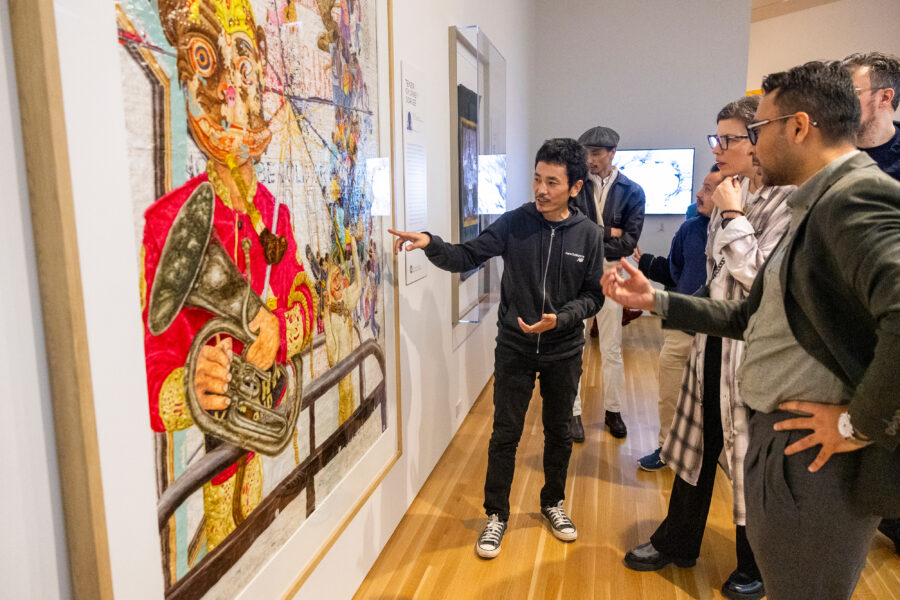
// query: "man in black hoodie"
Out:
[553,262]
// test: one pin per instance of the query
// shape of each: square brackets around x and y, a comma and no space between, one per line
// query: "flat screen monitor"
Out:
[667,176]
[491,184]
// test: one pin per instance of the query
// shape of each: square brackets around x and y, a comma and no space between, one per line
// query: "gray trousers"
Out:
[808,540]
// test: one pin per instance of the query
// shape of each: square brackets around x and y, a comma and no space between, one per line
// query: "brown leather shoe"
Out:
[615,424]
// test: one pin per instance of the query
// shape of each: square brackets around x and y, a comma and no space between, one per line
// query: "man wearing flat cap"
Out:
[616,203]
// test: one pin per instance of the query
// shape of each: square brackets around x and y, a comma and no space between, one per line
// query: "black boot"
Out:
[615,424]
[577,429]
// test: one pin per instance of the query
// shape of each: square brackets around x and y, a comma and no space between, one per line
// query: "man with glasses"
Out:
[616,203]
[876,77]
[822,331]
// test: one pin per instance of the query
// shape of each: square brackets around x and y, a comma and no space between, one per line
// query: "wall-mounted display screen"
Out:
[666,176]
[491,184]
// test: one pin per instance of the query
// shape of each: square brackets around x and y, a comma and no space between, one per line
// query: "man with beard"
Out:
[822,331]
[221,59]
[876,77]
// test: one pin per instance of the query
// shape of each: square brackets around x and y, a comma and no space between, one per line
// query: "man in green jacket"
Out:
[822,328]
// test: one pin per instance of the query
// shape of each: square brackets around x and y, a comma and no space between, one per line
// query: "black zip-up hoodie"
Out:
[548,267]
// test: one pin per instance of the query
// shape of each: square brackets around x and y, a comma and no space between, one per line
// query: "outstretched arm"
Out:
[457,258]
[723,318]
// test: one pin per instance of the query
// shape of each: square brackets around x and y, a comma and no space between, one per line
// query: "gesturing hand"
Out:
[823,421]
[547,322]
[728,195]
[414,240]
[637,253]
[634,292]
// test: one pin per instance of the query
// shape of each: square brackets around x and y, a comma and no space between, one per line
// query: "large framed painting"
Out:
[238,297]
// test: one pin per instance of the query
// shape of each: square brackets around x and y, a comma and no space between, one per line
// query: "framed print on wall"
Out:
[237,289]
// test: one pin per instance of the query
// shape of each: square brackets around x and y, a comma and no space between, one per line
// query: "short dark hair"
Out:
[884,71]
[743,109]
[822,90]
[568,153]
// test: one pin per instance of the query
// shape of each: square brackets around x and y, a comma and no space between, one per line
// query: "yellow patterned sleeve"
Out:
[173,409]
[143,282]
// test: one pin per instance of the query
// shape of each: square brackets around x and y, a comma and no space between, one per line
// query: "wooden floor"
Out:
[614,505]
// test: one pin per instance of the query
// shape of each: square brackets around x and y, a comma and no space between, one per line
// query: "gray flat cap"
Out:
[599,137]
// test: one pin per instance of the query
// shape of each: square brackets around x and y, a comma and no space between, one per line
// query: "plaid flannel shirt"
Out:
[745,248]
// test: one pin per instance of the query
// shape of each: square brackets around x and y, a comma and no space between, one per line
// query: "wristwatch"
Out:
[845,428]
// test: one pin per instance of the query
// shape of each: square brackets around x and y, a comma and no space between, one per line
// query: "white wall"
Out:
[32,545]
[830,31]
[633,66]
[657,72]
[436,379]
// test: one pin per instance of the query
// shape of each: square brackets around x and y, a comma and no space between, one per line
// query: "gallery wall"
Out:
[830,31]
[656,72]
[439,384]
[32,550]
[630,65]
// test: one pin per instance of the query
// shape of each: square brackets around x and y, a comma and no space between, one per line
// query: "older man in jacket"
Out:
[616,204]
[822,328]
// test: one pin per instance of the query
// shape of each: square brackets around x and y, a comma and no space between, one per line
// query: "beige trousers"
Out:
[672,360]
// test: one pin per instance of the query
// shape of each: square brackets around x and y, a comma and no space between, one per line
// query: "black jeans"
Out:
[681,533]
[514,375]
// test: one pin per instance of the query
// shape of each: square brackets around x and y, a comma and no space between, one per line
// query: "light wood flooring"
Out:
[614,505]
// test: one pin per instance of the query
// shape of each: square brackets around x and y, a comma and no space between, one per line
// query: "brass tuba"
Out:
[195,270]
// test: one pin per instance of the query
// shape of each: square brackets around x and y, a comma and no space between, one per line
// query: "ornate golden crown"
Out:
[234,15]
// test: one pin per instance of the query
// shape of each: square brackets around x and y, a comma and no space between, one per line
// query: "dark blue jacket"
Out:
[685,269]
[624,209]
[887,155]
[548,267]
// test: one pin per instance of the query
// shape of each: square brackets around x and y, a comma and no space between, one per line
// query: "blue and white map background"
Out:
[491,184]
[665,175]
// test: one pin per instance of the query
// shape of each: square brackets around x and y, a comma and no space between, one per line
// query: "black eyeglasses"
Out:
[716,141]
[753,128]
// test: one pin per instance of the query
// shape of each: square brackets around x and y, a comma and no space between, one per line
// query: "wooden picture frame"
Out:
[86,256]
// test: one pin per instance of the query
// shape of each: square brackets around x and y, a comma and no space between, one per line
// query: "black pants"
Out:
[514,375]
[681,533]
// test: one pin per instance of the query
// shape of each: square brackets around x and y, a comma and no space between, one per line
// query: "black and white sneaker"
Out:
[488,544]
[560,524]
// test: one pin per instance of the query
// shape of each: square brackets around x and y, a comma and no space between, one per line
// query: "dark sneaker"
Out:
[653,461]
[488,544]
[577,429]
[560,524]
[891,528]
[647,558]
[740,586]
[615,424]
